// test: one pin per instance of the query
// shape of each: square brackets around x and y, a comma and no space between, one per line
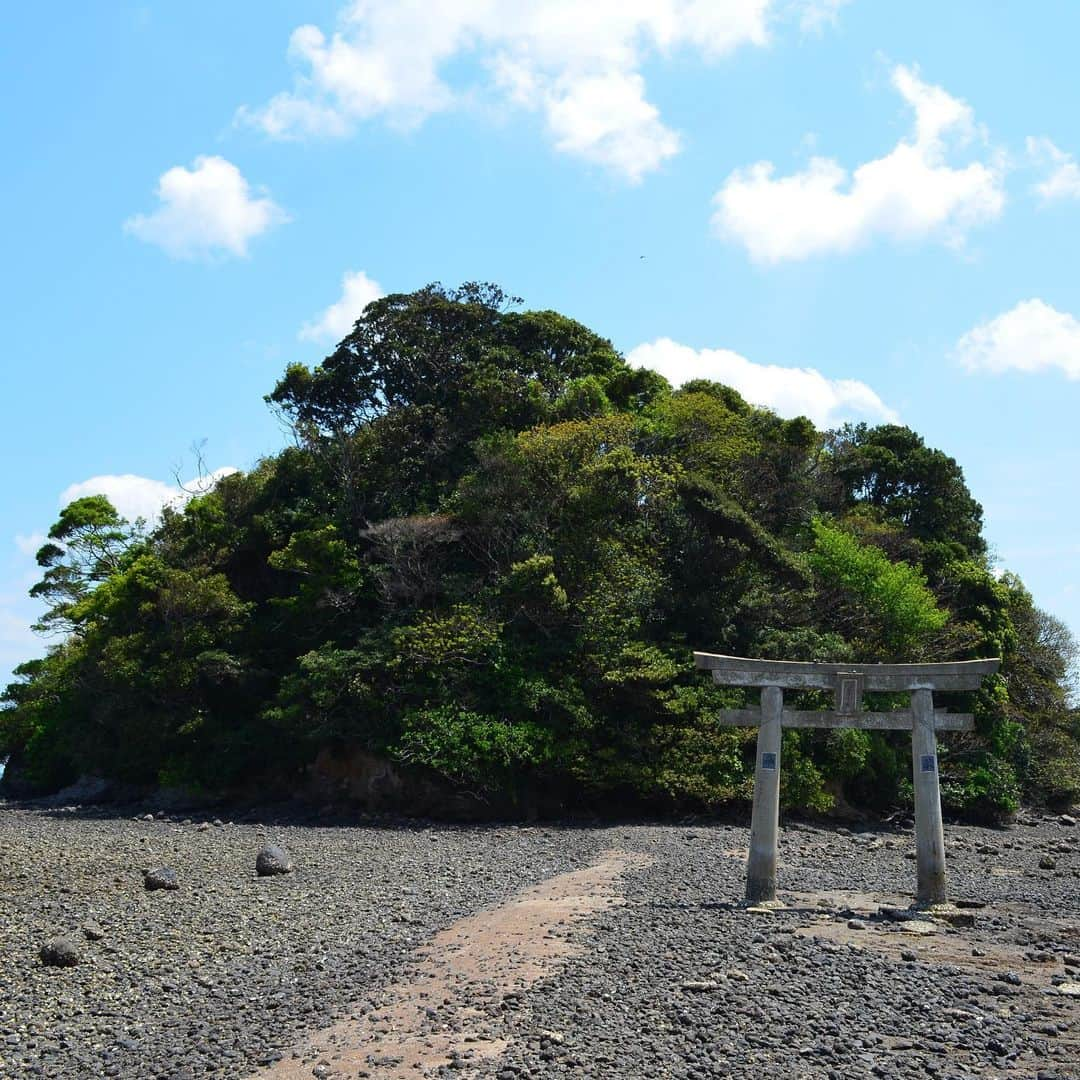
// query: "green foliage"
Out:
[473,748]
[895,595]
[802,781]
[490,554]
[984,788]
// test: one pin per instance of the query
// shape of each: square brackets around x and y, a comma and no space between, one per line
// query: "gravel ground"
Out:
[228,972]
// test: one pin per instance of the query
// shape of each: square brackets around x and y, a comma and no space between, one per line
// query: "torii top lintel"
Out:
[799,675]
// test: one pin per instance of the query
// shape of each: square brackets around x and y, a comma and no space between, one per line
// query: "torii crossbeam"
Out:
[848,683]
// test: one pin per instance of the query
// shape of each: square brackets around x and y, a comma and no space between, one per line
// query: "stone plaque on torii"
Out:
[848,683]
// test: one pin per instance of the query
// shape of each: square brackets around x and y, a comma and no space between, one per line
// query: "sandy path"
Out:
[447,1007]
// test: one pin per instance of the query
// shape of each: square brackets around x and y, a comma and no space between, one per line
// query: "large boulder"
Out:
[272,860]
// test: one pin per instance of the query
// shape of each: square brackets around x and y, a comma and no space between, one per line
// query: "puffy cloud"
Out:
[789,391]
[1030,337]
[357,291]
[911,193]
[140,496]
[206,210]
[1063,178]
[606,119]
[578,65]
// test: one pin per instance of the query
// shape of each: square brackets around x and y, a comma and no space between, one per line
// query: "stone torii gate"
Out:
[848,683]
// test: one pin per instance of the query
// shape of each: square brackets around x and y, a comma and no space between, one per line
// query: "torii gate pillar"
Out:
[848,683]
[929,833]
[765,817]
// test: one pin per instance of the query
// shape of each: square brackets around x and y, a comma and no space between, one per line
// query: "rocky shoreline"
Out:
[231,971]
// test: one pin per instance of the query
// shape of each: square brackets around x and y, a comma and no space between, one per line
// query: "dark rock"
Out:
[161,878]
[60,952]
[87,789]
[957,918]
[272,860]
[1048,862]
[93,931]
[895,914]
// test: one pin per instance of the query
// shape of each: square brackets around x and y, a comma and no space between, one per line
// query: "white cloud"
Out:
[140,496]
[1063,180]
[1030,338]
[578,65]
[911,193]
[789,391]
[206,210]
[815,15]
[606,119]
[357,291]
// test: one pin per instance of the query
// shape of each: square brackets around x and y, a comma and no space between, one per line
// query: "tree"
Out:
[89,542]
[423,375]
[890,468]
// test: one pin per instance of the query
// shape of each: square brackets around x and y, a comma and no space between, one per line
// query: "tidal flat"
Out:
[401,948]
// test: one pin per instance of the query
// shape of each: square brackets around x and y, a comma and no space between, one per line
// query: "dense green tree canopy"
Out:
[489,556]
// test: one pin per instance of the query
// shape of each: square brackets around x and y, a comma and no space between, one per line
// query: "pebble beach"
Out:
[662,973]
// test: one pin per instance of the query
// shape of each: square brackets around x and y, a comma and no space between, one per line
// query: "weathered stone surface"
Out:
[956,918]
[272,860]
[919,927]
[161,878]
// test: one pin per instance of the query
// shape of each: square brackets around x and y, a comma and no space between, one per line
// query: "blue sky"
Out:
[851,209]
